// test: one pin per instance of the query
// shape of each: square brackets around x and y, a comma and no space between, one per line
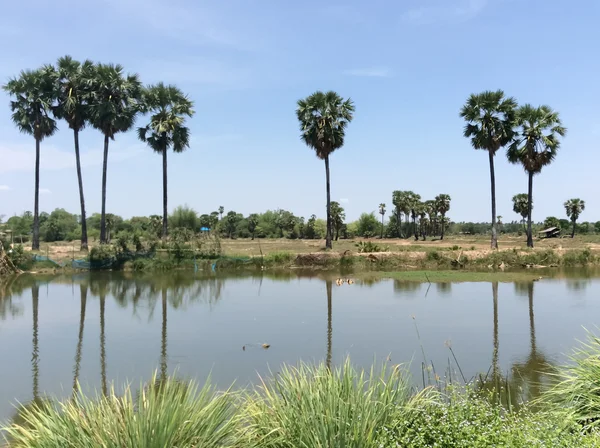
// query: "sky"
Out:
[408,65]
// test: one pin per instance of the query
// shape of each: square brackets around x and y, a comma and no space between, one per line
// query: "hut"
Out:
[551,232]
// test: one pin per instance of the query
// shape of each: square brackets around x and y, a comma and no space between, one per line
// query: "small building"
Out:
[551,232]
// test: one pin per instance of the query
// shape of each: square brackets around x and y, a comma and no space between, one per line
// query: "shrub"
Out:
[369,246]
[312,406]
[163,414]
[19,257]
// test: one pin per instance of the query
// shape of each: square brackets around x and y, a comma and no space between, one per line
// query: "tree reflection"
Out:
[103,345]
[163,341]
[329,287]
[444,288]
[401,286]
[35,356]
[83,289]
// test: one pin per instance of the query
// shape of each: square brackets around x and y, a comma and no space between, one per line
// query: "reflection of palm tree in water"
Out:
[163,344]
[103,345]
[328,286]
[35,359]
[495,370]
[83,294]
[528,376]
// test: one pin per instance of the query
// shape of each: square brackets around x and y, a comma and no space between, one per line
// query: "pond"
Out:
[103,328]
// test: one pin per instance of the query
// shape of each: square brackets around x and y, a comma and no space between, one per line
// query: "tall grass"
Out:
[317,407]
[166,413]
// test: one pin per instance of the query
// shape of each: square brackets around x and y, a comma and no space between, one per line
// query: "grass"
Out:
[315,406]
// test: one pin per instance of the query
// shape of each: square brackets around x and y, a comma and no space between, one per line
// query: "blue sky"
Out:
[408,65]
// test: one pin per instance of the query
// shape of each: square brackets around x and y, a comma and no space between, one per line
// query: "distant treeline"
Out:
[61,225]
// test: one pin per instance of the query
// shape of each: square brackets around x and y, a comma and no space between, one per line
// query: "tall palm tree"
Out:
[398,210]
[490,120]
[221,211]
[412,203]
[34,92]
[323,120]
[521,206]
[535,146]
[382,213]
[168,107]
[338,216]
[74,95]
[115,103]
[574,208]
[443,206]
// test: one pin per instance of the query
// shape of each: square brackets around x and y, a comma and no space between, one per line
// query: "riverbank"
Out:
[321,405]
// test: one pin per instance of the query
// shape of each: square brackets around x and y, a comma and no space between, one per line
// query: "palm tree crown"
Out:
[74,91]
[538,140]
[520,206]
[34,92]
[323,120]
[574,208]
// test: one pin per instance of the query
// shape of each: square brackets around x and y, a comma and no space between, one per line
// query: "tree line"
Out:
[104,97]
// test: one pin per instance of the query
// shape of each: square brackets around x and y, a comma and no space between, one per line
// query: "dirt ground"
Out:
[475,246]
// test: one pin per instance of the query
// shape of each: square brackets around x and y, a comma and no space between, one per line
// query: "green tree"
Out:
[34,92]
[323,120]
[443,206]
[551,221]
[338,216]
[382,213]
[367,225]
[535,146]
[490,118]
[168,108]
[574,208]
[73,106]
[115,102]
[231,221]
[413,203]
[59,225]
[183,217]
[252,223]
[521,207]
[221,211]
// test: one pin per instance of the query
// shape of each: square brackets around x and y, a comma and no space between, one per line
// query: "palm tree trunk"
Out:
[35,241]
[103,239]
[35,356]
[573,232]
[83,294]
[165,217]
[328,285]
[494,242]
[415,228]
[84,238]
[381,226]
[328,244]
[407,215]
[529,202]
[443,224]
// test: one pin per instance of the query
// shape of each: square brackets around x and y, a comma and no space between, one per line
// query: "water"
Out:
[112,327]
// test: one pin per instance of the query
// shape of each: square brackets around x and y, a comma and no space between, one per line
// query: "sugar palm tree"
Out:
[535,146]
[221,211]
[382,213]
[338,216]
[574,208]
[74,95]
[490,120]
[443,206]
[521,206]
[115,103]
[34,92]
[413,204]
[168,107]
[323,120]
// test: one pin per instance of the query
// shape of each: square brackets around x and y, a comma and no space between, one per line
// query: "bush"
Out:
[164,414]
[21,259]
[368,246]
[312,406]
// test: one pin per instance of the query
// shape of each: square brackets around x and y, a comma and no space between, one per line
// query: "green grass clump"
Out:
[311,406]
[163,414]
[467,420]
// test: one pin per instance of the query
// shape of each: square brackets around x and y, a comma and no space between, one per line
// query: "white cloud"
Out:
[5,188]
[456,12]
[373,72]
[45,191]
[344,200]
[20,157]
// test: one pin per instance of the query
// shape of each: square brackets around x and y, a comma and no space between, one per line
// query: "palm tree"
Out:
[166,130]
[521,207]
[574,207]
[115,103]
[413,202]
[490,119]
[323,120]
[34,92]
[535,146]
[338,216]
[382,213]
[74,95]
[252,223]
[221,211]
[443,206]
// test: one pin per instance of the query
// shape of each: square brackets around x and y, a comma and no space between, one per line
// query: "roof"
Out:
[550,229]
